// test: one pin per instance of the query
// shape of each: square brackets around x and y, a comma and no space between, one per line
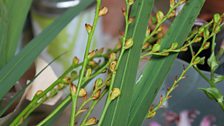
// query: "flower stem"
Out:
[75,95]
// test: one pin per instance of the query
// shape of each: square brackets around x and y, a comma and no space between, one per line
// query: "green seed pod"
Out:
[75,60]
[88,73]
[74,74]
[156,47]
[159,16]
[217,18]
[174,45]
[98,83]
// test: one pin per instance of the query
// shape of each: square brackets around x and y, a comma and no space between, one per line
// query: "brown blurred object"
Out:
[113,22]
[211,7]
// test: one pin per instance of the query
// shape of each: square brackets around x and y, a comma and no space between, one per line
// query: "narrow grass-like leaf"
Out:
[14,13]
[20,93]
[157,68]
[118,112]
[10,73]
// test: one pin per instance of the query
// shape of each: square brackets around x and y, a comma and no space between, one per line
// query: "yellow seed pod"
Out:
[67,80]
[103,11]
[159,16]
[151,115]
[96,95]
[88,28]
[39,92]
[91,121]
[145,46]
[112,56]
[82,92]
[115,93]
[113,66]
[130,20]
[130,2]
[73,88]
[92,54]
[206,45]
[128,44]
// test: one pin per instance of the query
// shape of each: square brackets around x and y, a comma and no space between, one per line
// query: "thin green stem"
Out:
[37,100]
[94,103]
[118,62]
[75,96]
[62,104]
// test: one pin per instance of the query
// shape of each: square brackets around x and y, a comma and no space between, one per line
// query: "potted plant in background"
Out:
[121,63]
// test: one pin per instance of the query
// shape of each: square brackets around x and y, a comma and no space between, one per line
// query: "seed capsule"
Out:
[74,74]
[130,20]
[128,43]
[96,95]
[112,56]
[88,73]
[156,48]
[206,45]
[174,45]
[73,89]
[217,18]
[91,121]
[39,92]
[113,66]
[115,93]
[88,28]
[91,54]
[130,2]
[82,92]
[103,11]
[75,60]
[98,83]
[145,46]
[159,16]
